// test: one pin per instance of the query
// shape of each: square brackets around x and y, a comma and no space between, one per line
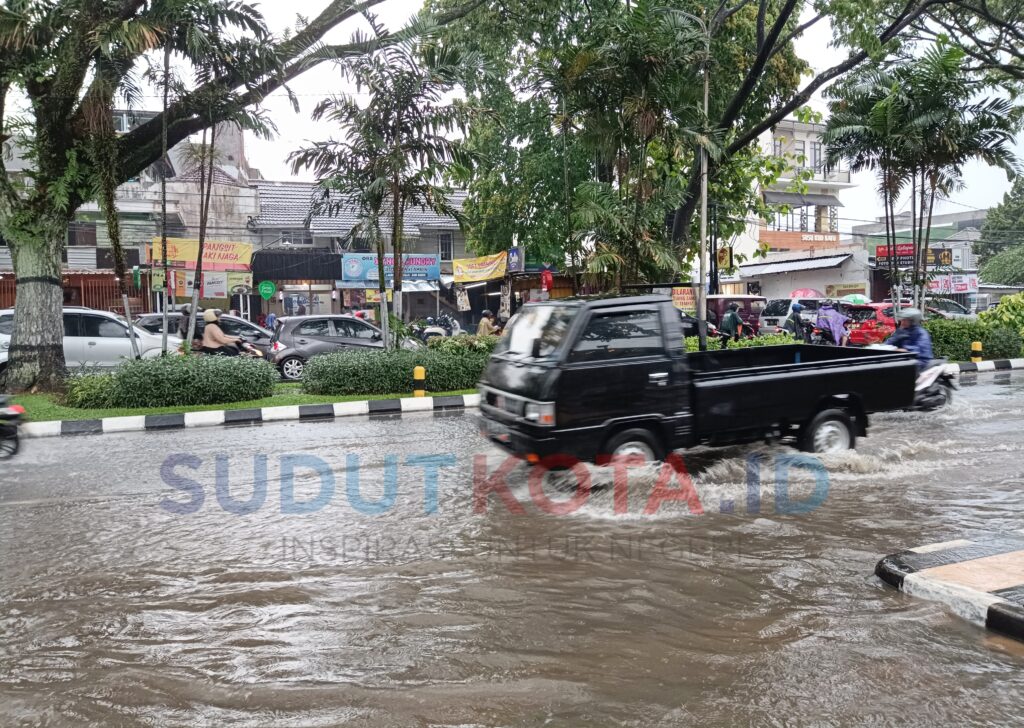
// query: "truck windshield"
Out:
[547,324]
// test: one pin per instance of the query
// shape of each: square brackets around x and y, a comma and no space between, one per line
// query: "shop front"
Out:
[226,279]
[304,281]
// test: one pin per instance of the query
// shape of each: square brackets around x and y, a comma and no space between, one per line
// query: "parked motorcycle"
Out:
[431,328]
[10,417]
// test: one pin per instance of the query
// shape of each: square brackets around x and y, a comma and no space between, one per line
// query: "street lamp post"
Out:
[702,291]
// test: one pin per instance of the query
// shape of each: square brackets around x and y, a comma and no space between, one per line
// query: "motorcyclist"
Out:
[732,325]
[912,336]
[795,323]
[215,341]
[487,327]
[830,320]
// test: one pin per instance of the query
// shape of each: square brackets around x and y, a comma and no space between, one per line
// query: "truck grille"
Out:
[506,402]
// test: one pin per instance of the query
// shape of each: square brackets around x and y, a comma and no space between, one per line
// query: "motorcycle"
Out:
[443,326]
[10,416]
[934,386]
[820,335]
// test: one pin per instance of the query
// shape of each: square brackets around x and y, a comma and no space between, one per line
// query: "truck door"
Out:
[620,367]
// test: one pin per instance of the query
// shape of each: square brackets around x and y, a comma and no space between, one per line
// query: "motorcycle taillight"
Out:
[16,409]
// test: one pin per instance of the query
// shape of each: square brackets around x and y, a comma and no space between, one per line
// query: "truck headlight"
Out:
[541,413]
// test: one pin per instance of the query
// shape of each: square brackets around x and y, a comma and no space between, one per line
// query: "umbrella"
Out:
[855,298]
[806,293]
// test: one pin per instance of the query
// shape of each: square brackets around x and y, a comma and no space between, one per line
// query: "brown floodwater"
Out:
[746,605]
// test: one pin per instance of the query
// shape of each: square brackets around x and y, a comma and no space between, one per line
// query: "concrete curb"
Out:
[996,365]
[148,423]
[981,581]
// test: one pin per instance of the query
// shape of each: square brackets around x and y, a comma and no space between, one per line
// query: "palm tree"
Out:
[395,150]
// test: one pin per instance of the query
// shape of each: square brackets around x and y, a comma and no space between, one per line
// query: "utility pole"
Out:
[702,290]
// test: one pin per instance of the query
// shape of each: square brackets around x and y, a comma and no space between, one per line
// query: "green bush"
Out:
[693,342]
[390,372]
[951,338]
[90,391]
[1009,312]
[1002,342]
[463,343]
[175,381]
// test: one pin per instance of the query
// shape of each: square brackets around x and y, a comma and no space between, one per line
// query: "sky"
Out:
[984,186]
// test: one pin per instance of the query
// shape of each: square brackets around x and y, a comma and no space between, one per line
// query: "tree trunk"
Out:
[36,361]
[168,290]
[396,244]
[205,187]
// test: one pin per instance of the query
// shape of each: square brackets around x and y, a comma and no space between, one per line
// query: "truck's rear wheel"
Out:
[830,431]
[636,442]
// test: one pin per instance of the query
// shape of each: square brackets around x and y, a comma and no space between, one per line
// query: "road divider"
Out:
[147,423]
[981,581]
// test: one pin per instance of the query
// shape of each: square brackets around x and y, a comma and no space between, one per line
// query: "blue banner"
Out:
[362,267]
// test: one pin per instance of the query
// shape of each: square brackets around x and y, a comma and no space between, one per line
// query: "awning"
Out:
[419,286]
[798,200]
[788,266]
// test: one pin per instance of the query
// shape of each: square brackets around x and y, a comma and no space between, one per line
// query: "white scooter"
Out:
[935,384]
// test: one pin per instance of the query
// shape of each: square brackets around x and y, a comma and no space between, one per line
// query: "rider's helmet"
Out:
[734,306]
[911,314]
[210,316]
[487,313]
[797,308]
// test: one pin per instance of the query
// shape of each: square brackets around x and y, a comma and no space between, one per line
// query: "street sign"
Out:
[724,258]
[267,290]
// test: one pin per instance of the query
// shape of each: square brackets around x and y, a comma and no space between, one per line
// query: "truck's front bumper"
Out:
[535,447]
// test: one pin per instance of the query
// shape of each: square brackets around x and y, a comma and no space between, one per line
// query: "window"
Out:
[778,146]
[444,245]
[71,327]
[317,327]
[350,329]
[817,158]
[7,324]
[231,327]
[620,335]
[82,233]
[101,327]
[296,237]
[800,153]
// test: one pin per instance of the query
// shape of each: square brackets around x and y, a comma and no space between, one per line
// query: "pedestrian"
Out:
[271,320]
[487,327]
[302,309]
[795,323]
[732,325]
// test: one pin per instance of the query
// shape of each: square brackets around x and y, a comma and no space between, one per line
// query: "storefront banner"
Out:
[373,295]
[965,283]
[215,285]
[516,260]
[838,290]
[685,299]
[486,268]
[217,255]
[462,297]
[362,267]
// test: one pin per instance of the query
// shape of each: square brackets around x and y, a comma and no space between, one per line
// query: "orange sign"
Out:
[684,298]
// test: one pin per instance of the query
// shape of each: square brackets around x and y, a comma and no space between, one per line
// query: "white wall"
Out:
[780,285]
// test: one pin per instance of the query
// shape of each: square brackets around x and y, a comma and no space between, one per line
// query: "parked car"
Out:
[258,336]
[873,323]
[609,377]
[777,310]
[750,308]
[297,339]
[950,308]
[94,338]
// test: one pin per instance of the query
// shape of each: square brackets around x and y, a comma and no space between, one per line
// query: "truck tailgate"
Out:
[751,389]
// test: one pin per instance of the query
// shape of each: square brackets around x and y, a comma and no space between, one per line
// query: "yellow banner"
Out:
[217,254]
[684,298]
[473,270]
[373,295]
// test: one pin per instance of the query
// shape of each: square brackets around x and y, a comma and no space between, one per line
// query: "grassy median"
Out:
[45,407]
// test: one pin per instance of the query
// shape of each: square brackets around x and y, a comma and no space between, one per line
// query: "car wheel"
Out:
[636,442]
[830,431]
[292,368]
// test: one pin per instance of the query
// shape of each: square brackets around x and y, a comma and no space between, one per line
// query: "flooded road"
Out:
[131,594]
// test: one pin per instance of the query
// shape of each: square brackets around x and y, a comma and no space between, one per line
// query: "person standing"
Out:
[271,320]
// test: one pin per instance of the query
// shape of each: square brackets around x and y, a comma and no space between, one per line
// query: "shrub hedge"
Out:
[390,372]
[463,343]
[175,381]
[693,342]
[952,338]
[1009,313]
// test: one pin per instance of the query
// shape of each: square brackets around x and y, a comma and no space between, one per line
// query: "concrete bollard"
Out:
[976,351]
[419,376]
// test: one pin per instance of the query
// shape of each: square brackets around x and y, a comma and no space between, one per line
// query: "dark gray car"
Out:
[297,339]
[258,336]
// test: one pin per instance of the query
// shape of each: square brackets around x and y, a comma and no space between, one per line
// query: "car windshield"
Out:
[809,304]
[777,307]
[546,324]
[756,306]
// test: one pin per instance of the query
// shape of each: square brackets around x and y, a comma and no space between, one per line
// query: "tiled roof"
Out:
[288,204]
[220,177]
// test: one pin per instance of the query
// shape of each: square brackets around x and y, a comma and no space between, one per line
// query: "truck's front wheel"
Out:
[636,442]
[830,431]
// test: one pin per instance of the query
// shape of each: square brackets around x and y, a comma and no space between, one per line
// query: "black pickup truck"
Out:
[594,378]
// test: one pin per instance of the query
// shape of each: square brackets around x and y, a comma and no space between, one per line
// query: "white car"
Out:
[93,339]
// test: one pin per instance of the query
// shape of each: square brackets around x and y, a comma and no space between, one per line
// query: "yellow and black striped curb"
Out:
[982,581]
[150,423]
